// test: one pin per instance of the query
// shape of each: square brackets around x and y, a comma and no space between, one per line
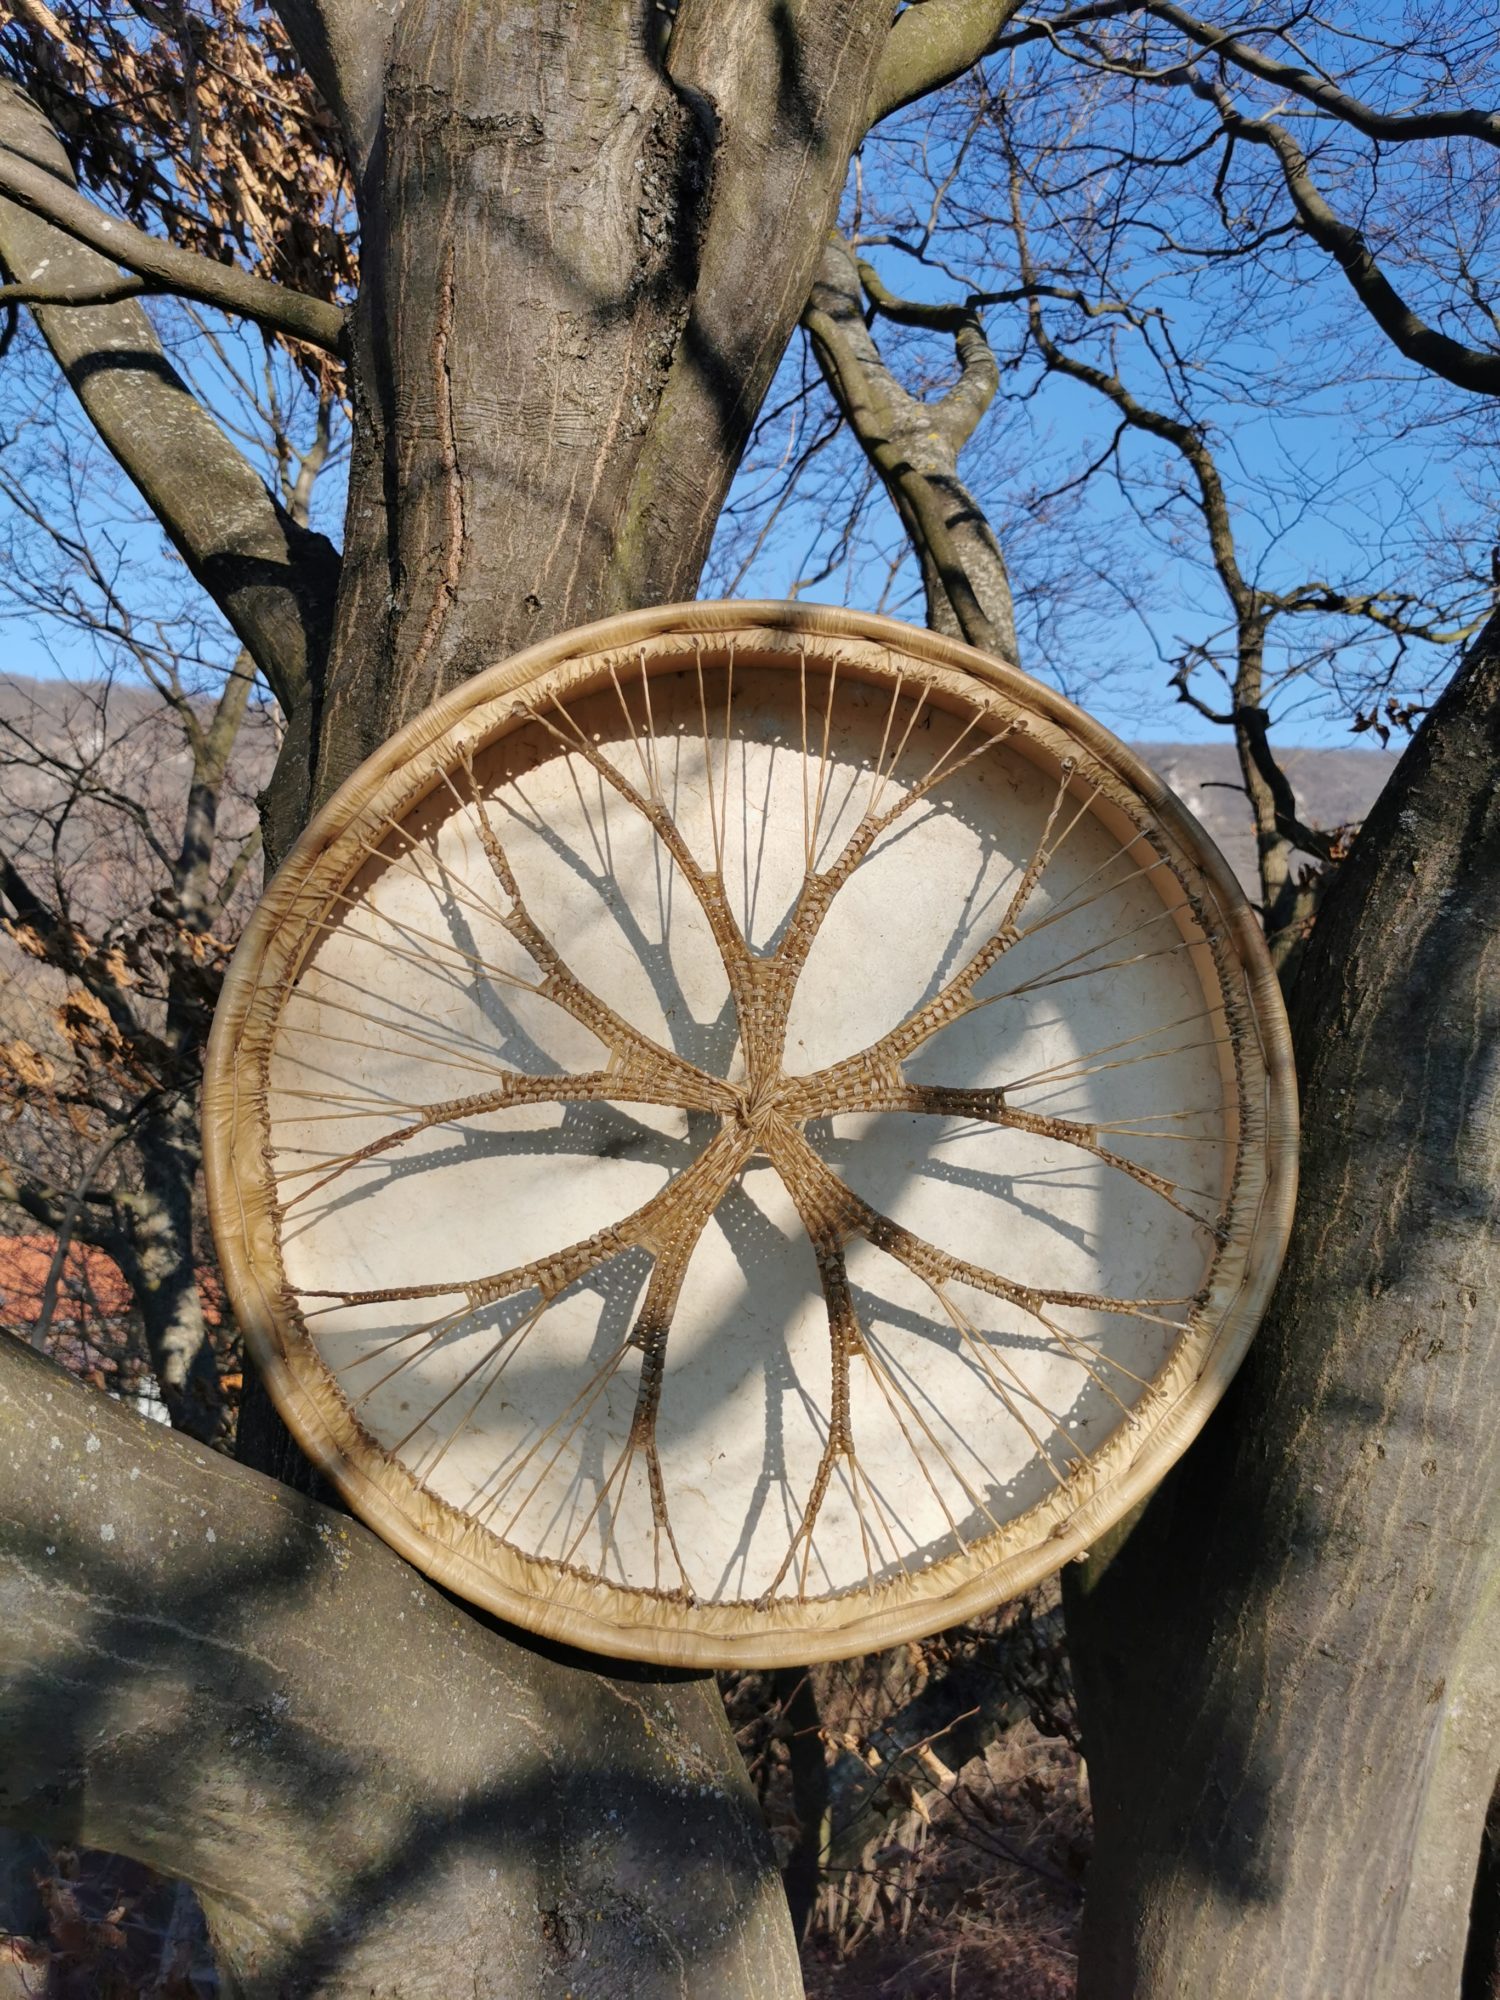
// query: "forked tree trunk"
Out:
[914,444]
[1290,1667]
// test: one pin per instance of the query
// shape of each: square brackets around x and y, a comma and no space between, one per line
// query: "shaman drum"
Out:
[749,1133]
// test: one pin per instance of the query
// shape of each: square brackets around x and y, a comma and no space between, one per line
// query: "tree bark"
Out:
[1287,905]
[374,1791]
[914,446]
[1289,1666]
[159,1257]
[583,255]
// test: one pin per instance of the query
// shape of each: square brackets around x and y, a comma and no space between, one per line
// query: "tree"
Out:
[586,236]
[1064,261]
[116,1079]
[1288,1666]
[640,326]
[129,853]
[913,443]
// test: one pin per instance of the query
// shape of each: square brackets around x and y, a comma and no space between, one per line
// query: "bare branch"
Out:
[1253,726]
[91,1223]
[930,43]
[1316,90]
[273,580]
[1186,438]
[1466,367]
[108,292]
[67,1229]
[168,268]
[914,446]
[948,318]
[249,849]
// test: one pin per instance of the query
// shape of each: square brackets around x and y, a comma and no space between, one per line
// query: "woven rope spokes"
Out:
[559,1479]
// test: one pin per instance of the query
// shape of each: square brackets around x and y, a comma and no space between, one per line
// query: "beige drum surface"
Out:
[749,1133]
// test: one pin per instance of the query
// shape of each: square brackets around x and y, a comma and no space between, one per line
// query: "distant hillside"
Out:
[1333,786]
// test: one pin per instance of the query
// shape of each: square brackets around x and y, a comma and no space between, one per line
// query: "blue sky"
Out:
[1368,476]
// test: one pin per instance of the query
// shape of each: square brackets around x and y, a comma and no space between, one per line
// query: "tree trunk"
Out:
[584,252]
[1289,1666]
[374,1792]
[914,446]
[1287,906]
[160,1262]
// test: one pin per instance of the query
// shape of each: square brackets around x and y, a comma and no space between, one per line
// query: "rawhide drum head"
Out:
[749,1133]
